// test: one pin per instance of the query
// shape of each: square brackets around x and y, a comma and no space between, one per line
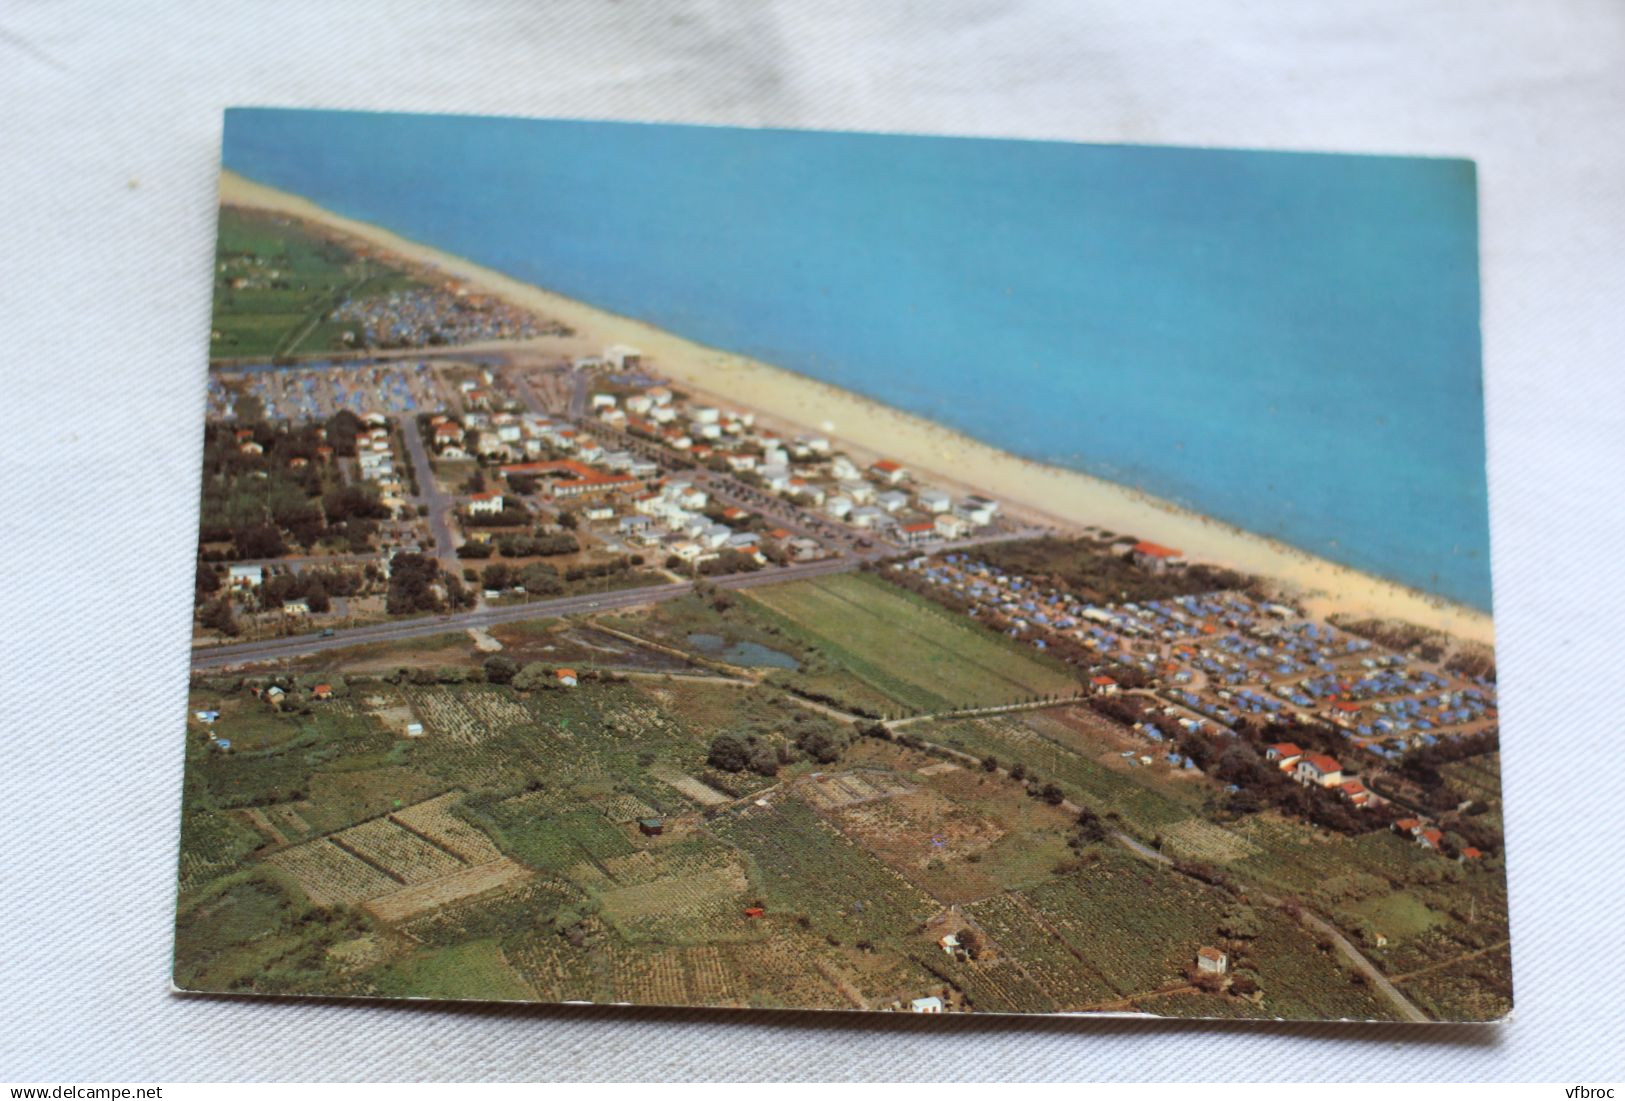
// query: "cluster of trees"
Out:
[1089,569]
[538,577]
[528,545]
[314,586]
[728,560]
[607,568]
[513,515]
[418,584]
[736,752]
[261,504]
[810,736]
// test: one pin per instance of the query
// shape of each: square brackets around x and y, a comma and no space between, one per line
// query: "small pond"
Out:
[741,653]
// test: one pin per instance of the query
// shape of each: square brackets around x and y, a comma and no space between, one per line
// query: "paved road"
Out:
[429,493]
[274,649]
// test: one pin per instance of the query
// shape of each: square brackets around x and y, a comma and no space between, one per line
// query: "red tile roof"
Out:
[1322,762]
[885,466]
[1286,749]
[1155,550]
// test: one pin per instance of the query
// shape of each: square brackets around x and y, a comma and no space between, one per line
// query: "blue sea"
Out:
[1288,342]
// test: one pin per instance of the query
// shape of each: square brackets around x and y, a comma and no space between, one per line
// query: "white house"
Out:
[866,517]
[915,534]
[246,577]
[1317,768]
[485,504]
[934,500]
[976,511]
[892,500]
[931,1004]
[1212,961]
[887,471]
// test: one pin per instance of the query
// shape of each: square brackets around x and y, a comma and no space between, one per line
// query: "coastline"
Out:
[867,429]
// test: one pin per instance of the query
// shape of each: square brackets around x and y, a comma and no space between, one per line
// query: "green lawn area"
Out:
[908,649]
[476,971]
[275,282]
[1398,915]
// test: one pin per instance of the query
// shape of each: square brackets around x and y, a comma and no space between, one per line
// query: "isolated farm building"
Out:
[488,504]
[651,827]
[1284,753]
[206,717]
[245,577]
[931,1004]
[1212,960]
[1317,768]
[1155,556]
[566,677]
[949,943]
[273,696]
[887,471]
[1103,685]
[322,692]
[1470,853]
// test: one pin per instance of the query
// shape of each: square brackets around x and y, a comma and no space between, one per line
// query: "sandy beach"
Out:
[865,429]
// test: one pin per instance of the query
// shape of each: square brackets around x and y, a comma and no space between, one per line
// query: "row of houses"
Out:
[879,497]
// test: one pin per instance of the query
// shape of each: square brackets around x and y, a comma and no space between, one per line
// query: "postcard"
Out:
[692,566]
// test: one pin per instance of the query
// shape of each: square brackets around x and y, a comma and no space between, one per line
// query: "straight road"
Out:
[429,494]
[217,657]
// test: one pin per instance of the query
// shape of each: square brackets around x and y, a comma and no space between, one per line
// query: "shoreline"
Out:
[868,429]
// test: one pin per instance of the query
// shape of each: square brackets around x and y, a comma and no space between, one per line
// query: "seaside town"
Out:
[523,669]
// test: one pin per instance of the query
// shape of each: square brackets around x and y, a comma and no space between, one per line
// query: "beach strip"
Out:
[867,429]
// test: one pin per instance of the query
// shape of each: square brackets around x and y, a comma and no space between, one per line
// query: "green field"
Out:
[276,281]
[860,864]
[808,868]
[908,650]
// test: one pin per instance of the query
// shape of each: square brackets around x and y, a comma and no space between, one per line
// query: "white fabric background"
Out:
[109,127]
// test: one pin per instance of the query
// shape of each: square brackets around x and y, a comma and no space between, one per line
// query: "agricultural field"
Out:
[1146,798]
[276,280]
[906,649]
[429,834]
